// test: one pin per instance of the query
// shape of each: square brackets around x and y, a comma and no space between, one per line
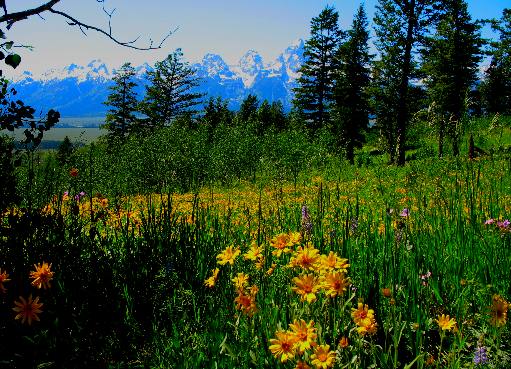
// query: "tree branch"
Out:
[11,18]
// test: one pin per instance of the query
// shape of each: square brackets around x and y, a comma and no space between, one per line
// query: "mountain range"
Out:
[79,91]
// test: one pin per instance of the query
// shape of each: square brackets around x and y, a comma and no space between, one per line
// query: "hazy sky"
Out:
[225,27]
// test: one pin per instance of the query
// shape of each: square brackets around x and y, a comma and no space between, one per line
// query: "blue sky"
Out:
[225,27]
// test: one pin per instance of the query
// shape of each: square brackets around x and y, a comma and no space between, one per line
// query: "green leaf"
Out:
[8,45]
[13,60]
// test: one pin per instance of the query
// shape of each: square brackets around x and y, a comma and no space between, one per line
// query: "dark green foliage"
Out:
[315,85]
[351,87]
[248,108]
[64,151]
[496,88]
[8,195]
[400,25]
[170,91]
[451,58]
[120,119]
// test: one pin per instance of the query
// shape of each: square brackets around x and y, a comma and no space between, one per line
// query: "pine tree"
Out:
[248,108]
[496,88]
[351,88]
[278,117]
[451,58]
[315,85]
[123,102]
[170,91]
[400,25]
[64,151]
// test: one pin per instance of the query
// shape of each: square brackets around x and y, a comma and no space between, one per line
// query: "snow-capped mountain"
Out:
[81,90]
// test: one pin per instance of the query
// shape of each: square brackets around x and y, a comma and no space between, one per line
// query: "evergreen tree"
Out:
[248,108]
[451,58]
[170,91]
[278,117]
[64,151]
[496,88]
[400,25]
[264,118]
[123,102]
[216,112]
[315,85]
[351,88]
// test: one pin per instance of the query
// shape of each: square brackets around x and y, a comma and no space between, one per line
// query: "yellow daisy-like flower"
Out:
[323,358]
[271,269]
[305,334]
[370,327]
[42,275]
[254,253]
[281,244]
[498,311]
[294,238]
[27,310]
[306,285]
[344,342]
[210,282]
[335,284]
[228,255]
[362,315]
[446,323]
[4,277]
[245,302]
[283,347]
[306,258]
[240,281]
[302,365]
[334,262]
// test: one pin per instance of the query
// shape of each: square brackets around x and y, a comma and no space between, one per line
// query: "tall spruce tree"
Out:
[450,61]
[123,102]
[496,88]
[400,26]
[351,87]
[170,91]
[315,85]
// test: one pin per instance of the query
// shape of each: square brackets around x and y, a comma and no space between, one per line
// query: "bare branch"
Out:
[130,44]
[11,18]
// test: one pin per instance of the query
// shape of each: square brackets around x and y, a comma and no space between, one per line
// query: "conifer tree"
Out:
[123,102]
[496,88]
[248,108]
[170,91]
[278,117]
[315,85]
[400,25]
[351,88]
[451,58]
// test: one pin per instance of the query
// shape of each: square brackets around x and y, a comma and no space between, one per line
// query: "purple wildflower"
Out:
[489,221]
[405,213]
[306,220]
[480,356]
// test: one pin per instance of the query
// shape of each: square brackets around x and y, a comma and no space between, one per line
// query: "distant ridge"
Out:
[79,91]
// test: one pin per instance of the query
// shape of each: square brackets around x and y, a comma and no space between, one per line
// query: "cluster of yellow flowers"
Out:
[27,309]
[300,340]
[364,319]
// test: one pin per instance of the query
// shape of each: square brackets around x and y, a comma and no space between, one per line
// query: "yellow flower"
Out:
[370,327]
[228,255]
[445,322]
[335,284]
[306,258]
[210,282]
[280,243]
[332,261]
[362,314]
[27,310]
[343,342]
[283,347]
[254,253]
[271,269]
[306,286]
[245,302]
[305,334]
[323,358]
[42,275]
[302,365]
[294,238]
[498,311]
[4,277]
[240,281]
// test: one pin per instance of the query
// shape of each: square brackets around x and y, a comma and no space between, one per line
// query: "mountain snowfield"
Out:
[79,91]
